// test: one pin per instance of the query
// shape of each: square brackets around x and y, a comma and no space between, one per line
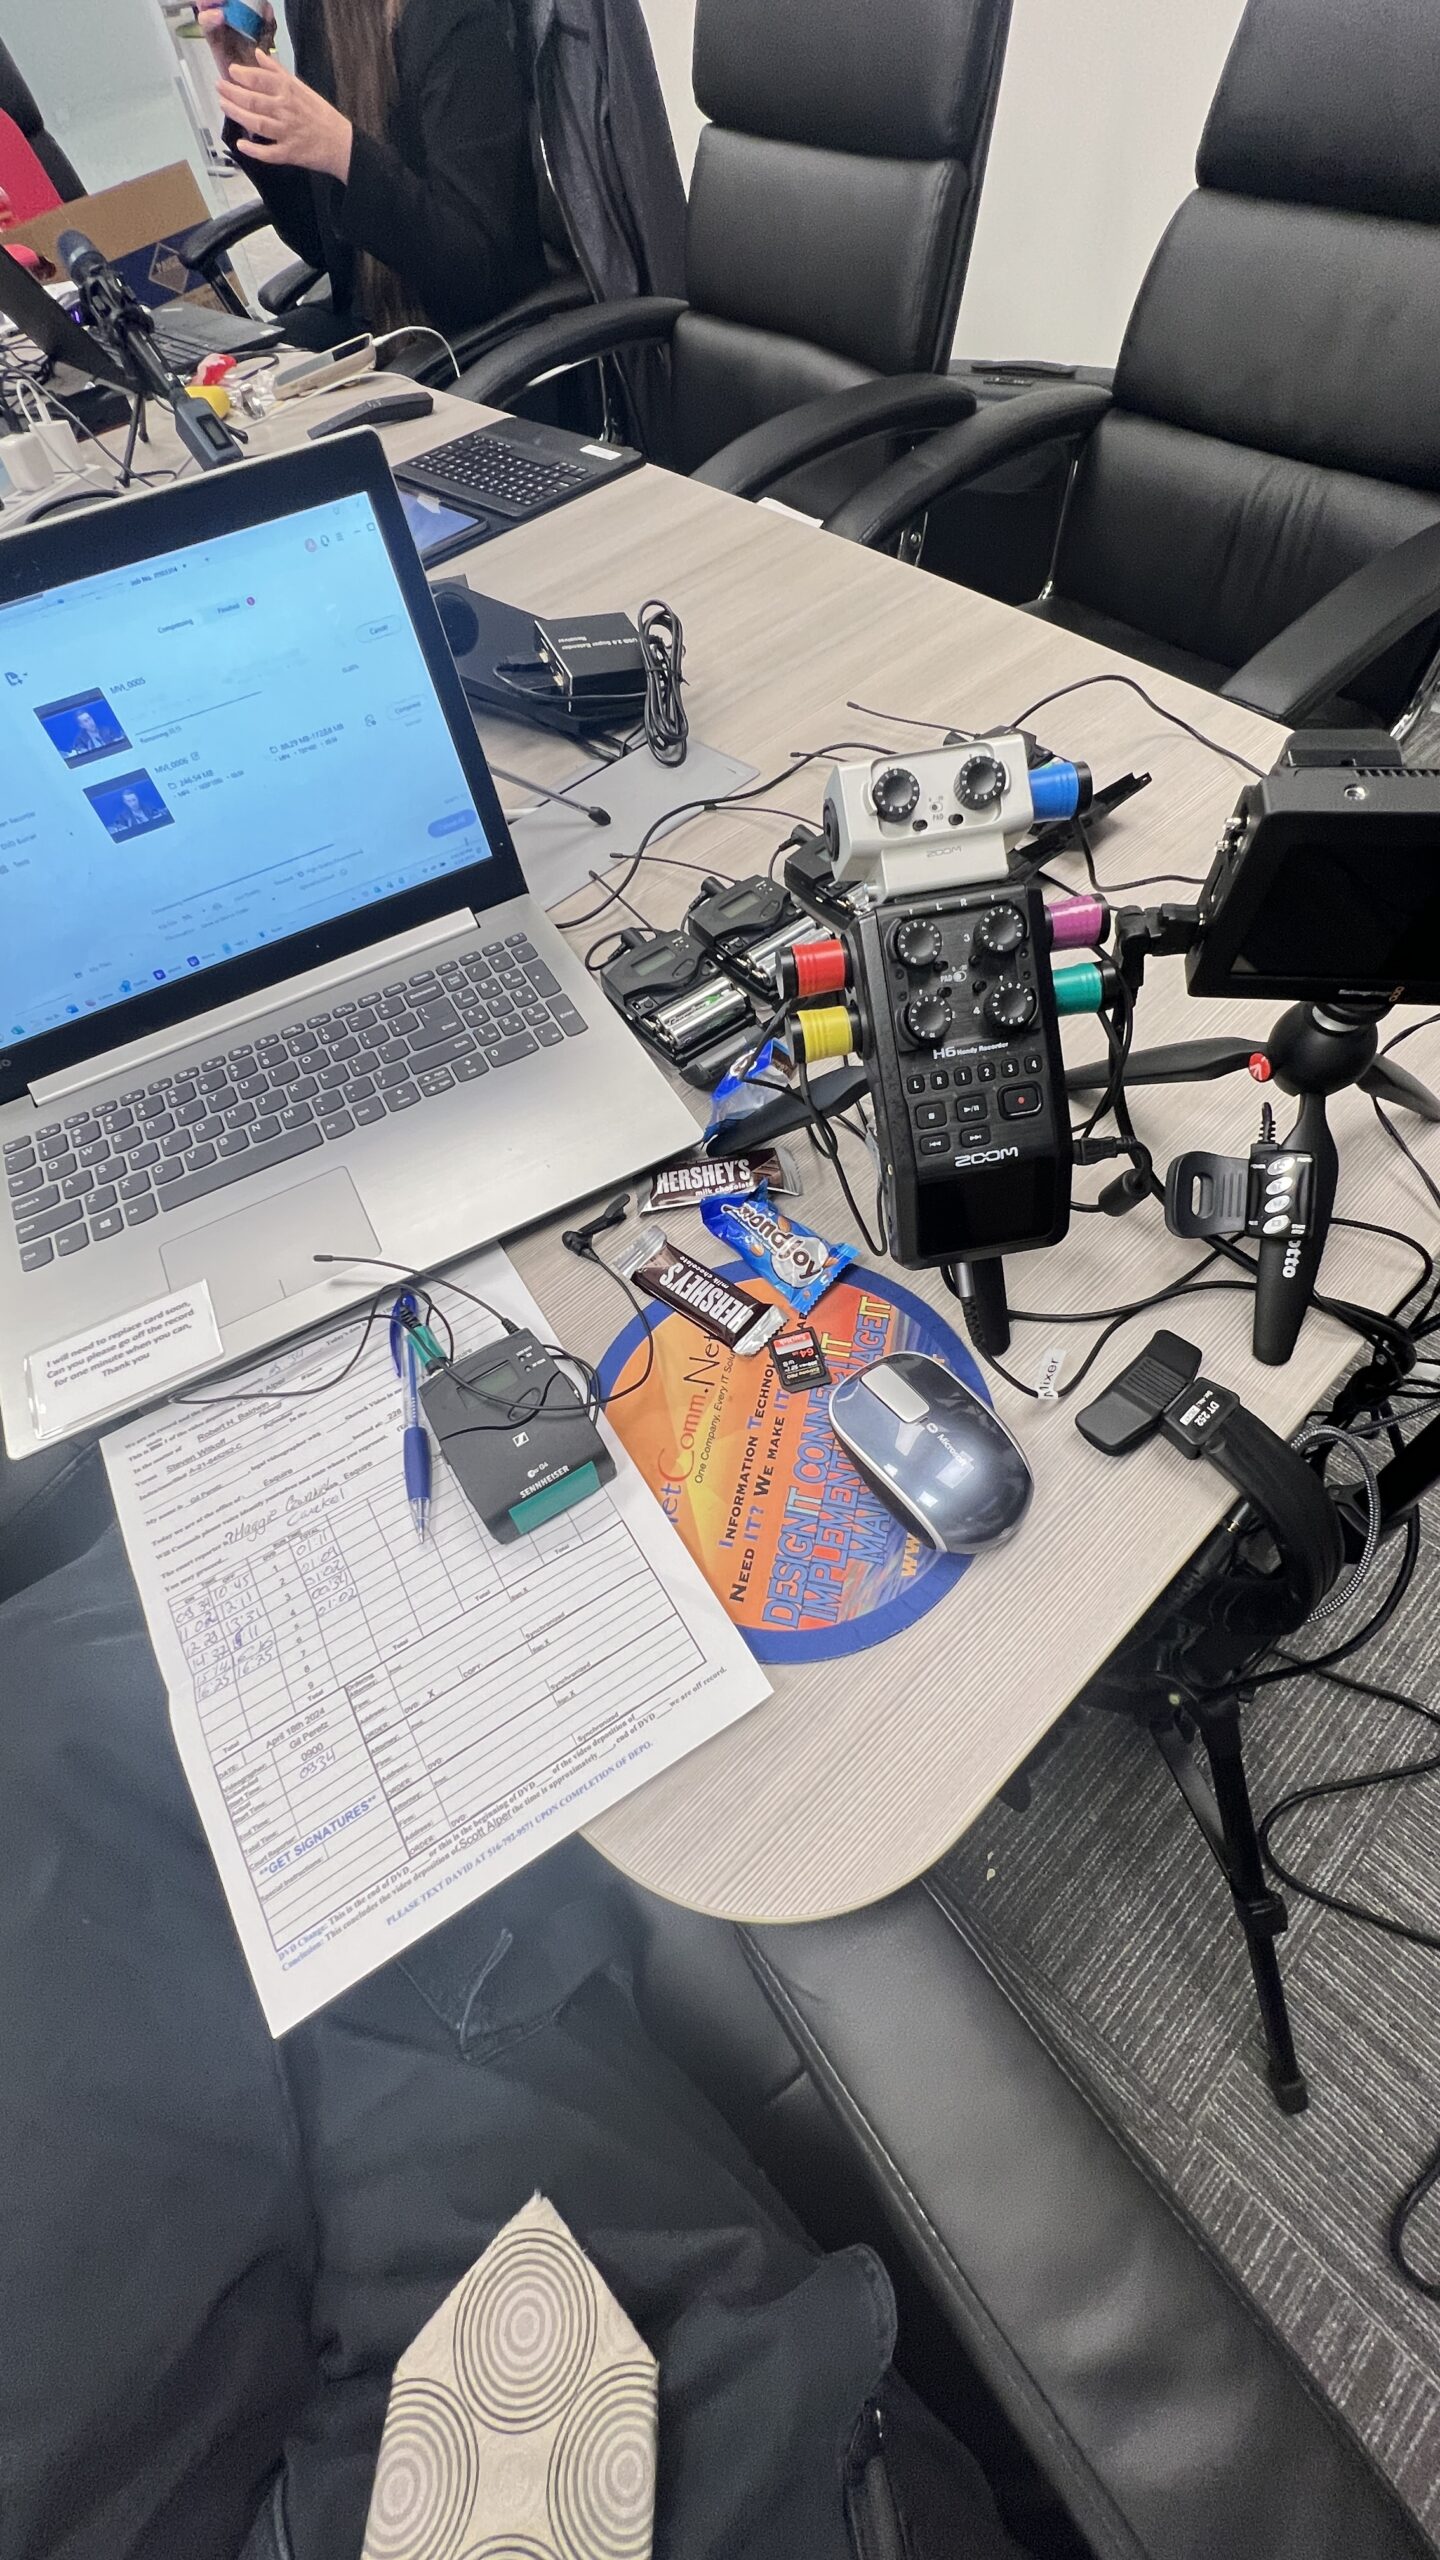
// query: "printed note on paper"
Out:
[378,1730]
[126,1361]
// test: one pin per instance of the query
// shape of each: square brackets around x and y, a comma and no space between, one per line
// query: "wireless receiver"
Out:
[515,1435]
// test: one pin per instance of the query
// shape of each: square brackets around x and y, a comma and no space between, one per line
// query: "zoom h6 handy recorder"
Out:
[958,1026]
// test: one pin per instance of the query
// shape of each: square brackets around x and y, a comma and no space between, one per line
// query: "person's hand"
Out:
[226,44]
[288,124]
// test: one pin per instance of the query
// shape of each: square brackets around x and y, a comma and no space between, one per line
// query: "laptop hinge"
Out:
[290,995]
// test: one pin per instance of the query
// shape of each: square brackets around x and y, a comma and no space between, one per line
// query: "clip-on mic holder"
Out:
[1181,1671]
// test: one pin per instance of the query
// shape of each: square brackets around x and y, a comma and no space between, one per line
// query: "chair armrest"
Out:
[958,455]
[913,403]
[423,361]
[1318,653]
[208,246]
[281,293]
[1172,2419]
[605,328]
[549,301]
[215,239]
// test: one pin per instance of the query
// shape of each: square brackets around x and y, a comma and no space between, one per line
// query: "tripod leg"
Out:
[137,429]
[1389,1083]
[1260,1911]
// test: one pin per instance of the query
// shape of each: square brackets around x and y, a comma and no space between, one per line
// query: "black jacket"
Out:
[447,198]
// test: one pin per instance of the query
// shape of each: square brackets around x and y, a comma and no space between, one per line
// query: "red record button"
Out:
[1021,1102]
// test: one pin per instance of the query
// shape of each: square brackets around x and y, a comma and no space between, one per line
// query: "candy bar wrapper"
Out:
[801,1265]
[693,1289]
[700,1178]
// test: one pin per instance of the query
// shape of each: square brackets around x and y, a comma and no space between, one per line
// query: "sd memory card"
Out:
[798,1358]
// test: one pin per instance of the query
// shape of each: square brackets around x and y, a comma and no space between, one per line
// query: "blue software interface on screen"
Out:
[207,751]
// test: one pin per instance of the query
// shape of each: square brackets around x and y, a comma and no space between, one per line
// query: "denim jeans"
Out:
[217,2246]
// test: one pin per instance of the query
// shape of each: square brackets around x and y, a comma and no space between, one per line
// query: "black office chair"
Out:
[830,221]
[17,101]
[1257,504]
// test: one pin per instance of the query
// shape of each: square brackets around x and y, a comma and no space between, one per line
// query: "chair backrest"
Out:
[27,188]
[17,103]
[833,200]
[1277,417]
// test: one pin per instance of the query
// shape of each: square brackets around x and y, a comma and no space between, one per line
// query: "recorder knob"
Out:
[999,933]
[917,944]
[1011,1008]
[896,793]
[981,781]
[929,1020]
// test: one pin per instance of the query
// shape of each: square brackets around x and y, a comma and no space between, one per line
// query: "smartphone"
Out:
[242,20]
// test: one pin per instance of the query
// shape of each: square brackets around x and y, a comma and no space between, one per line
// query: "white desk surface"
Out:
[857,1775]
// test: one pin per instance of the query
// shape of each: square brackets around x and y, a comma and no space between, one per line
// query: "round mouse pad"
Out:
[807,1562]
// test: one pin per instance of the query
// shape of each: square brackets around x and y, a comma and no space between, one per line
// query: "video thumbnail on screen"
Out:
[128,804]
[83,728]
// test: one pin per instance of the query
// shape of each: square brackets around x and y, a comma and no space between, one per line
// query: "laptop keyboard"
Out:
[484,466]
[131,1157]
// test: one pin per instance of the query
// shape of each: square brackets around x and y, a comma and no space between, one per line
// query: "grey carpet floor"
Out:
[1104,1911]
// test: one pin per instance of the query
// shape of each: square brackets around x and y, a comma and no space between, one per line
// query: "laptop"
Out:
[185,332]
[270,982]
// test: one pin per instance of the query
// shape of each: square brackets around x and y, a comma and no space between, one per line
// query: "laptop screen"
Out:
[209,750]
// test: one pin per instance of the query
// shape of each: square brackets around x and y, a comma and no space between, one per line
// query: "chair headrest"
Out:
[1330,102]
[901,80]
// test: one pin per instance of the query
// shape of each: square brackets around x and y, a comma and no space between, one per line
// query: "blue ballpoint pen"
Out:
[417,1438]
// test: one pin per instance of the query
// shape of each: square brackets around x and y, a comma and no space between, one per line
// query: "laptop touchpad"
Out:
[265,1251]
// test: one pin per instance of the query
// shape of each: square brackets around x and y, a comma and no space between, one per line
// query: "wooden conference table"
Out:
[856,1775]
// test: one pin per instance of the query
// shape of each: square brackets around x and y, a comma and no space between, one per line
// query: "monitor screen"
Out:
[1333,917]
[209,750]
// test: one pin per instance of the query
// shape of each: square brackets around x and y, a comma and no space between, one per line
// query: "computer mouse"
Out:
[934,1452]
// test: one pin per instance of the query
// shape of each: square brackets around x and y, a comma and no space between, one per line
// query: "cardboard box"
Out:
[138,226]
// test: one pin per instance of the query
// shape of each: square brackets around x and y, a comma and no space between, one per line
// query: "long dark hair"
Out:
[360,36]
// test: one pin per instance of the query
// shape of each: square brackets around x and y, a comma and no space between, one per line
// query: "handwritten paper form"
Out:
[377,1731]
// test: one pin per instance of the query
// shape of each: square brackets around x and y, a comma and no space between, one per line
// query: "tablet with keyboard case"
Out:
[505,474]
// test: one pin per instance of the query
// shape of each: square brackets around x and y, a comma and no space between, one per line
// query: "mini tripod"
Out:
[1285,1195]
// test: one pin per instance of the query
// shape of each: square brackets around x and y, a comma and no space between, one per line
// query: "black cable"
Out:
[681,815]
[618,1394]
[1374,1625]
[1123,1316]
[1403,1143]
[1119,1044]
[1087,852]
[1231,754]
[662,643]
[907,720]
[1398,2230]
[380,1263]
[829,1146]
[1407,1933]
[751,796]
[1395,1235]
[1152,880]
[1328,1788]
[295,1395]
